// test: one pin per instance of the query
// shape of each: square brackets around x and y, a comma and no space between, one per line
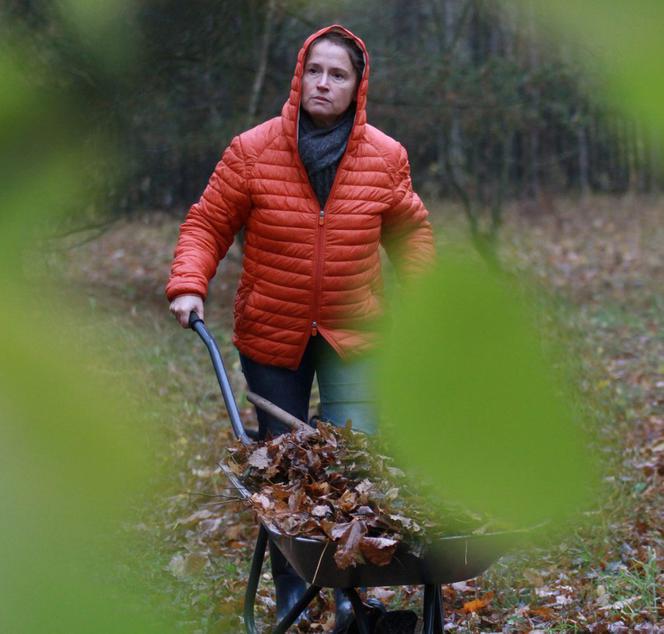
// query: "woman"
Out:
[318,190]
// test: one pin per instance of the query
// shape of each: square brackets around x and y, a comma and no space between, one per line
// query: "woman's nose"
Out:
[323,81]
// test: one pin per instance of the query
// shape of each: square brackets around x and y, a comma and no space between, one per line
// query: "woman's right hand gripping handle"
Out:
[182,306]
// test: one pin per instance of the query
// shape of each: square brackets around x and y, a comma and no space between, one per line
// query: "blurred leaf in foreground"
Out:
[72,464]
[72,449]
[472,403]
[623,41]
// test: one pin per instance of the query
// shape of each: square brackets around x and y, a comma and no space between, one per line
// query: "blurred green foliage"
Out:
[73,460]
[472,400]
[72,449]
[101,29]
[621,41]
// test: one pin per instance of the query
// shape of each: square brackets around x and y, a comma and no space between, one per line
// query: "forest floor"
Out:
[600,264]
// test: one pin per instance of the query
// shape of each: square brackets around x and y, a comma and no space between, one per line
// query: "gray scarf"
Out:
[321,150]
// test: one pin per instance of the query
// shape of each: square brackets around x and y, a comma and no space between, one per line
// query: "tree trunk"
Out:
[584,169]
[654,156]
[533,134]
[263,58]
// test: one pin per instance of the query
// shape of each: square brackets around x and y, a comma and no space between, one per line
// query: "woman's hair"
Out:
[354,51]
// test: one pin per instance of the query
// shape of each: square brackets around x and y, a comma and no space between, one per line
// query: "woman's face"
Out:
[329,83]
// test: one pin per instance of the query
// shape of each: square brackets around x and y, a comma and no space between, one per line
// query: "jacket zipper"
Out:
[320,228]
[318,270]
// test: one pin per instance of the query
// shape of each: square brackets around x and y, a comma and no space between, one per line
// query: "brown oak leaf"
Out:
[378,550]
[348,550]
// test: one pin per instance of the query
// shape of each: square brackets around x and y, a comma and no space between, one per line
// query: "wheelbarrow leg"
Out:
[432,613]
[296,610]
[361,617]
[252,583]
[252,588]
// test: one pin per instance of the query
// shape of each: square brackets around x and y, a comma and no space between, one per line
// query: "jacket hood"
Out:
[291,109]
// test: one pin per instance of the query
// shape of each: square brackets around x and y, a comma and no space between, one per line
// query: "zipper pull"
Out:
[314,328]
[321,217]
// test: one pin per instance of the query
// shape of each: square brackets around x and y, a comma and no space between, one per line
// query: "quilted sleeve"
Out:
[210,226]
[406,232]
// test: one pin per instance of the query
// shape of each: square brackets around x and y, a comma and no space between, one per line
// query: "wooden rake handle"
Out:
[281,415]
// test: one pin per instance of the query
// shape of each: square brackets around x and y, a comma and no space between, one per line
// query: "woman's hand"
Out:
[182,306]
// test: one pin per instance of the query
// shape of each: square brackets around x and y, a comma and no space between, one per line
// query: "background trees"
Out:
[488,108]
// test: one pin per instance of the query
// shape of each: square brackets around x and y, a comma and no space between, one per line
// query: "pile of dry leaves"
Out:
[332,485]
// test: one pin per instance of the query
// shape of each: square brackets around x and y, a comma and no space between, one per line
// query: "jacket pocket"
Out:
[241,297]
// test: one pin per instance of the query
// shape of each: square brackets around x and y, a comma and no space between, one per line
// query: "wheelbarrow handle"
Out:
[197,324]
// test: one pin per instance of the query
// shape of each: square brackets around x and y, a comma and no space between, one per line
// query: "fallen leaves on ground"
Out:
[602,259]
[478,604]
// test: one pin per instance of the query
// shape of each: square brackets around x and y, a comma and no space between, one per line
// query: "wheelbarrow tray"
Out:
[446,560]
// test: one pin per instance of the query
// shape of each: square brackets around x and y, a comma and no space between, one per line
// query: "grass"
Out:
[631,588]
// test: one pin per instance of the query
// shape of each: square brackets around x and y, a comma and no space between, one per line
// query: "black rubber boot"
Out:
[344,621]
[344,616]
[289,587]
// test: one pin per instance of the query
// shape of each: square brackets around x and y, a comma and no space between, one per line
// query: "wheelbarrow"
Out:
[447,560]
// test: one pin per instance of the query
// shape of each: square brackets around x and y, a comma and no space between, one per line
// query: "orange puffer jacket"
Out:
[306,271]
